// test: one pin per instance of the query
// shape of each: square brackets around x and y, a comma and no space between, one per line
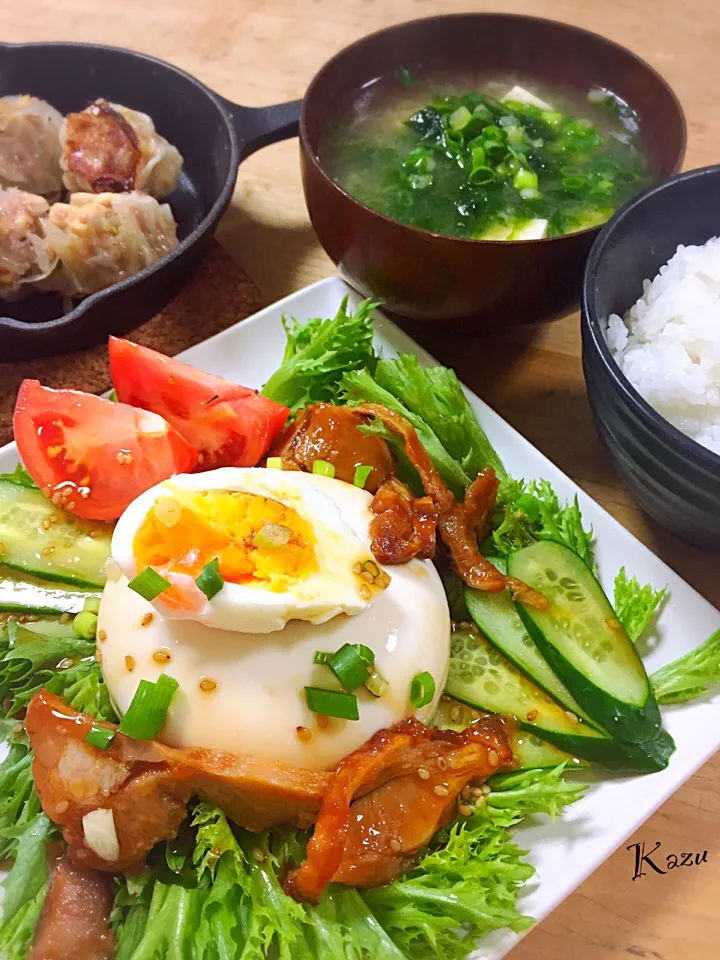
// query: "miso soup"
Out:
[486,158]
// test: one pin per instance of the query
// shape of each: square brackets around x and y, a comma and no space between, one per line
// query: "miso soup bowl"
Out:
[472,284]
[675,479]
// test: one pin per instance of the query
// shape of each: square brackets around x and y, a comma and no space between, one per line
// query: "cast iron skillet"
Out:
[213,136]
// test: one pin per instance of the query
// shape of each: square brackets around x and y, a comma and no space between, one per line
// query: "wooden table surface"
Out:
[266,51]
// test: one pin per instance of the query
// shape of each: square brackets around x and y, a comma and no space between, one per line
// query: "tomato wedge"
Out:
[229,425]
[92,456]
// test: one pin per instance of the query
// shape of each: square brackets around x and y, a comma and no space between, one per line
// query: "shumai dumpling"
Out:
[109,148]
[30,145]
[24,257]
[100,239]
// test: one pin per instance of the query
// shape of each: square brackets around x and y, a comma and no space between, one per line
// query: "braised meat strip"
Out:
[457,522]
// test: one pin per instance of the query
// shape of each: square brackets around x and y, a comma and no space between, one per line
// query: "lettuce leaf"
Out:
[691,675]
[29,874]
[436,395]
[635,605]
[319,352]
[532,511]
[16,936]
[358,386]
[20,476]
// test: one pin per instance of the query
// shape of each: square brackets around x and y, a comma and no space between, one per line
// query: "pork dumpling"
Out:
[110,148]
[100,239]
[24,257]
[30,145]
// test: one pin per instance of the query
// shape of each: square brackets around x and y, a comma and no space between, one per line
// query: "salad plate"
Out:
[565,851]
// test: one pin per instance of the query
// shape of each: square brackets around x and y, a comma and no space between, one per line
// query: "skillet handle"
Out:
[257,127]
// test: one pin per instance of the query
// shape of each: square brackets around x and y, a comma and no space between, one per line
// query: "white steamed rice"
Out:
[668,344]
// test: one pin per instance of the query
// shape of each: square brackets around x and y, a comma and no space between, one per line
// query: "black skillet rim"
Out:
[592,323]
[221,201]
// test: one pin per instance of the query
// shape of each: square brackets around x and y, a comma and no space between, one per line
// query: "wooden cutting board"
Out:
[219,295]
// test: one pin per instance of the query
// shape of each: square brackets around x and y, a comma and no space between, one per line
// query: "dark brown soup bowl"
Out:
[477,284]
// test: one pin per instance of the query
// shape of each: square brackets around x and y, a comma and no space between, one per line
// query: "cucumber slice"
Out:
[40,539]
[28,595]
[498,619]
[583,641]
[529,751]
[482,678]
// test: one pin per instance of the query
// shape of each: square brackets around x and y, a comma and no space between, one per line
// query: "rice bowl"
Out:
[668,343]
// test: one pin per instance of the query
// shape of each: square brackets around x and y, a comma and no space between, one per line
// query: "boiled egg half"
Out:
[242,663]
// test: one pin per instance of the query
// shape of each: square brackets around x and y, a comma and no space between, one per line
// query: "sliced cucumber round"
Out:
[581,638]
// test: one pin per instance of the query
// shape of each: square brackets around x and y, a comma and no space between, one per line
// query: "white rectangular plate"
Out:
[567,851]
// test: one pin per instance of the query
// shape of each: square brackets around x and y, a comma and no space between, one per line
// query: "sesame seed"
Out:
[322,721]
[98,654]
[532,716]
[423,773]
[46,524]
[441,790]
[94,533]
[303,734]
[208,685]
[130,663]
[455,714]
[147,619]
[364,591]
[162,655]
[382,580]
[80,854]
[358,568]
[394,844]
[70,506]
[465,810]
[57,499]
[466,793]
[367,576]
[485,790]
[258,855]
[571,716]
[124,457]
[62,806]
[493,758]
[102,636]
[442,763]
[50,548]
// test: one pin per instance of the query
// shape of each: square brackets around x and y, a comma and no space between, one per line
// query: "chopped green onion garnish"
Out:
[422,689]
[112,396]
[321,657]
[460,118]
[351,664]
[362,472]
[332,703]
[100,737]
[85,625]
[149,584]
[274,463]
[525,180]
[92,604]
[147,712]
[211,580]
[272,536]
[377,684]
[323,469]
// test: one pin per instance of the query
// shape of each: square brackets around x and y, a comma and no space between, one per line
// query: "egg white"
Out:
[259,701]
[332,589]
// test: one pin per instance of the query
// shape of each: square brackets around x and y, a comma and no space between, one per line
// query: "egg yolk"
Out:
[256,540]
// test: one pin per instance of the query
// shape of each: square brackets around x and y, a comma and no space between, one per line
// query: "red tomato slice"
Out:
[229,425]
[90,455]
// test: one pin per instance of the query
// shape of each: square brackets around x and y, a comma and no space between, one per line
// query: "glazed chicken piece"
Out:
[325,432]
[418,774]
[407,780]
[75,919]
[147,785]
